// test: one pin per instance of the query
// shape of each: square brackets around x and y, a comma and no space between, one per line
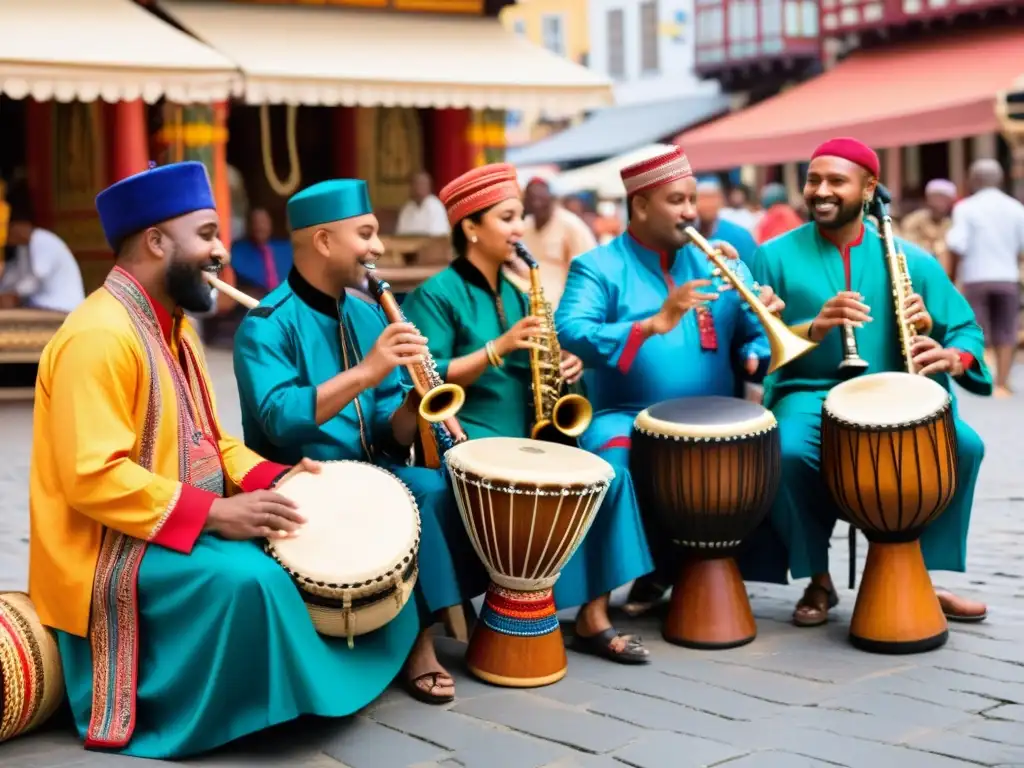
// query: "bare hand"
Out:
[930,358]
[771,300]
[752,364]
[399,344]
[304,465]
[262,514]
[726,249]
[679,302]
[914,312]
[522,335]
[571,367]
[844,308]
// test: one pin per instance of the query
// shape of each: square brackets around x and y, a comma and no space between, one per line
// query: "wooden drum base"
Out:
[516,642]
[897,610]
[710,609]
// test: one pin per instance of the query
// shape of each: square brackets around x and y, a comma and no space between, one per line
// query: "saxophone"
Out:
[558,416]
[899,275]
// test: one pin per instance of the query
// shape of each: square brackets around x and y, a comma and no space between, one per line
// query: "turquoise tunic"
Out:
[459,313]
[291,344]
[806,270]
[609,291]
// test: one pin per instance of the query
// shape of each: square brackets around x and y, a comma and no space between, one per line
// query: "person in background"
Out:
[742,208]
[713,226]
[259,260]
[986,241]
[554,235]
[779,216]
[608,224]
[40,271]
[423,213]
[928,226]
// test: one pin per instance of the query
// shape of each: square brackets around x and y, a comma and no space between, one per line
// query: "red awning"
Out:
[909,94]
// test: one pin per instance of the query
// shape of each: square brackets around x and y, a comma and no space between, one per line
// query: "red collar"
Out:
[163,317]
[664,257]
[845,250]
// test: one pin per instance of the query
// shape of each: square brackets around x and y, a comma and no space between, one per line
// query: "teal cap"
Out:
[327,201]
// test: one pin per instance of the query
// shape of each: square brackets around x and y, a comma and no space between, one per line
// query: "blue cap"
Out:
[328,201]
[151,197]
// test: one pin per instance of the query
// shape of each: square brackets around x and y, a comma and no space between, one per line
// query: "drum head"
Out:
[886,399]
[705,417]
[522,461]
[362,521]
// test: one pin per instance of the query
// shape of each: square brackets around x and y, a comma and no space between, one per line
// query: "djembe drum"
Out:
[526,505]
[889,458]
[707,468]
[31,676]
[355,561]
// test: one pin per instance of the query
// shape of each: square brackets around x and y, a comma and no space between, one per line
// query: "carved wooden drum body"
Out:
[707,469]
[23,334]
[355,561]
[889,459]
[527,505]
[31,676]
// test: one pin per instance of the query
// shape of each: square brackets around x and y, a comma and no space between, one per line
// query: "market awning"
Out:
[330,56]
[113,50]
[603,178]
[615,130]
[932,91]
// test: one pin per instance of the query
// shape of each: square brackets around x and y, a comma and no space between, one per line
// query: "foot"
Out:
[1002,392]
[596,636]
[643,596]
[812,609]
[424,677]
[959,608]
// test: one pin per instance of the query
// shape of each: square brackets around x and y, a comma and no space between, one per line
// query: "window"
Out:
[616,54]
[810,18]
[519,27]
[649,36]
[553,33]
[709,26]
[771,18]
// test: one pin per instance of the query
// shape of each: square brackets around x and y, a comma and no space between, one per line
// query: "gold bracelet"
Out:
[492,355]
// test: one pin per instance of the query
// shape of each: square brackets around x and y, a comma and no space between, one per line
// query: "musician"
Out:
[634,311]
[479,330]
[177,634]
[830,271]
[321,373]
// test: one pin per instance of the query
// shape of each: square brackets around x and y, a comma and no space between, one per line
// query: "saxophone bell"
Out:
[570,416]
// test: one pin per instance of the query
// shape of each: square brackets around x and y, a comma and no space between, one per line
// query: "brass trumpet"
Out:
[786,345]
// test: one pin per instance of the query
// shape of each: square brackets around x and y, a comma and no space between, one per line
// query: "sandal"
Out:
[961,609]
[813,608]
[644,595]
[426,696]
[600,645]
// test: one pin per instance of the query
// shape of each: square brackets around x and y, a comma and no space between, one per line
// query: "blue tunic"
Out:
[291,344]
[738,237]
[247,261]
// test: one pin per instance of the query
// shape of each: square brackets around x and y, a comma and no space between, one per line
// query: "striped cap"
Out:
[661,169]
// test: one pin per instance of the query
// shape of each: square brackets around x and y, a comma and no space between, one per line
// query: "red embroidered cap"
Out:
[850,149]
[661,169]
[478,189]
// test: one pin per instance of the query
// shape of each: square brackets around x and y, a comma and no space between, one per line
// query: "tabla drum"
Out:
[527,505]
[355,561]
[23,334]
[708,469]
[31,676]
[889,459]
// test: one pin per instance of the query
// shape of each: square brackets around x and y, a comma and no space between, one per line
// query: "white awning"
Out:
[114,50]
[330,56]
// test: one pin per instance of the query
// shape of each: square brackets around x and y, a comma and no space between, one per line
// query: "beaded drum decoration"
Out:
[355,561]
[706,470]
[527,505]
[31,677]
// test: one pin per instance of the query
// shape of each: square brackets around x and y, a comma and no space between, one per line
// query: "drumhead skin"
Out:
[362,522]
[705,418]
[521,461]
[883,400]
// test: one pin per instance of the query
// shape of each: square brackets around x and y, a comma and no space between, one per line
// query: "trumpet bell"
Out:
[442,402]
[786,346]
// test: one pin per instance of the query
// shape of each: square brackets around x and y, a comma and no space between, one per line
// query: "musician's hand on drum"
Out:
[914,312]
[399,344]
[845,307]
[261,514]
[772,301]
[679,302]
[571,367]
[931,358]
[522,335]
[304,465]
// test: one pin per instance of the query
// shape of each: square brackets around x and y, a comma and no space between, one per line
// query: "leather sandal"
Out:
[427,695]
[600,645]
[813,608]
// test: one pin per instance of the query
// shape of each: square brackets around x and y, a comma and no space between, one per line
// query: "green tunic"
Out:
[806,270]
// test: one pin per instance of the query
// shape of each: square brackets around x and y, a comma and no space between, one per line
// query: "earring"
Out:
[472,239]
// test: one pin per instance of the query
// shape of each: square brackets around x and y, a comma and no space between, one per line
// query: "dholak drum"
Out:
[707,468]
[888,456]
[355,560]
[31,677]
[527,505]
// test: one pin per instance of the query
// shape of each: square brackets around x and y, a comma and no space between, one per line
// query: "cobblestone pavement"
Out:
[792,698]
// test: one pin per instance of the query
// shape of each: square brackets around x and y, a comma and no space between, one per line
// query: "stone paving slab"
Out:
[790,699]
